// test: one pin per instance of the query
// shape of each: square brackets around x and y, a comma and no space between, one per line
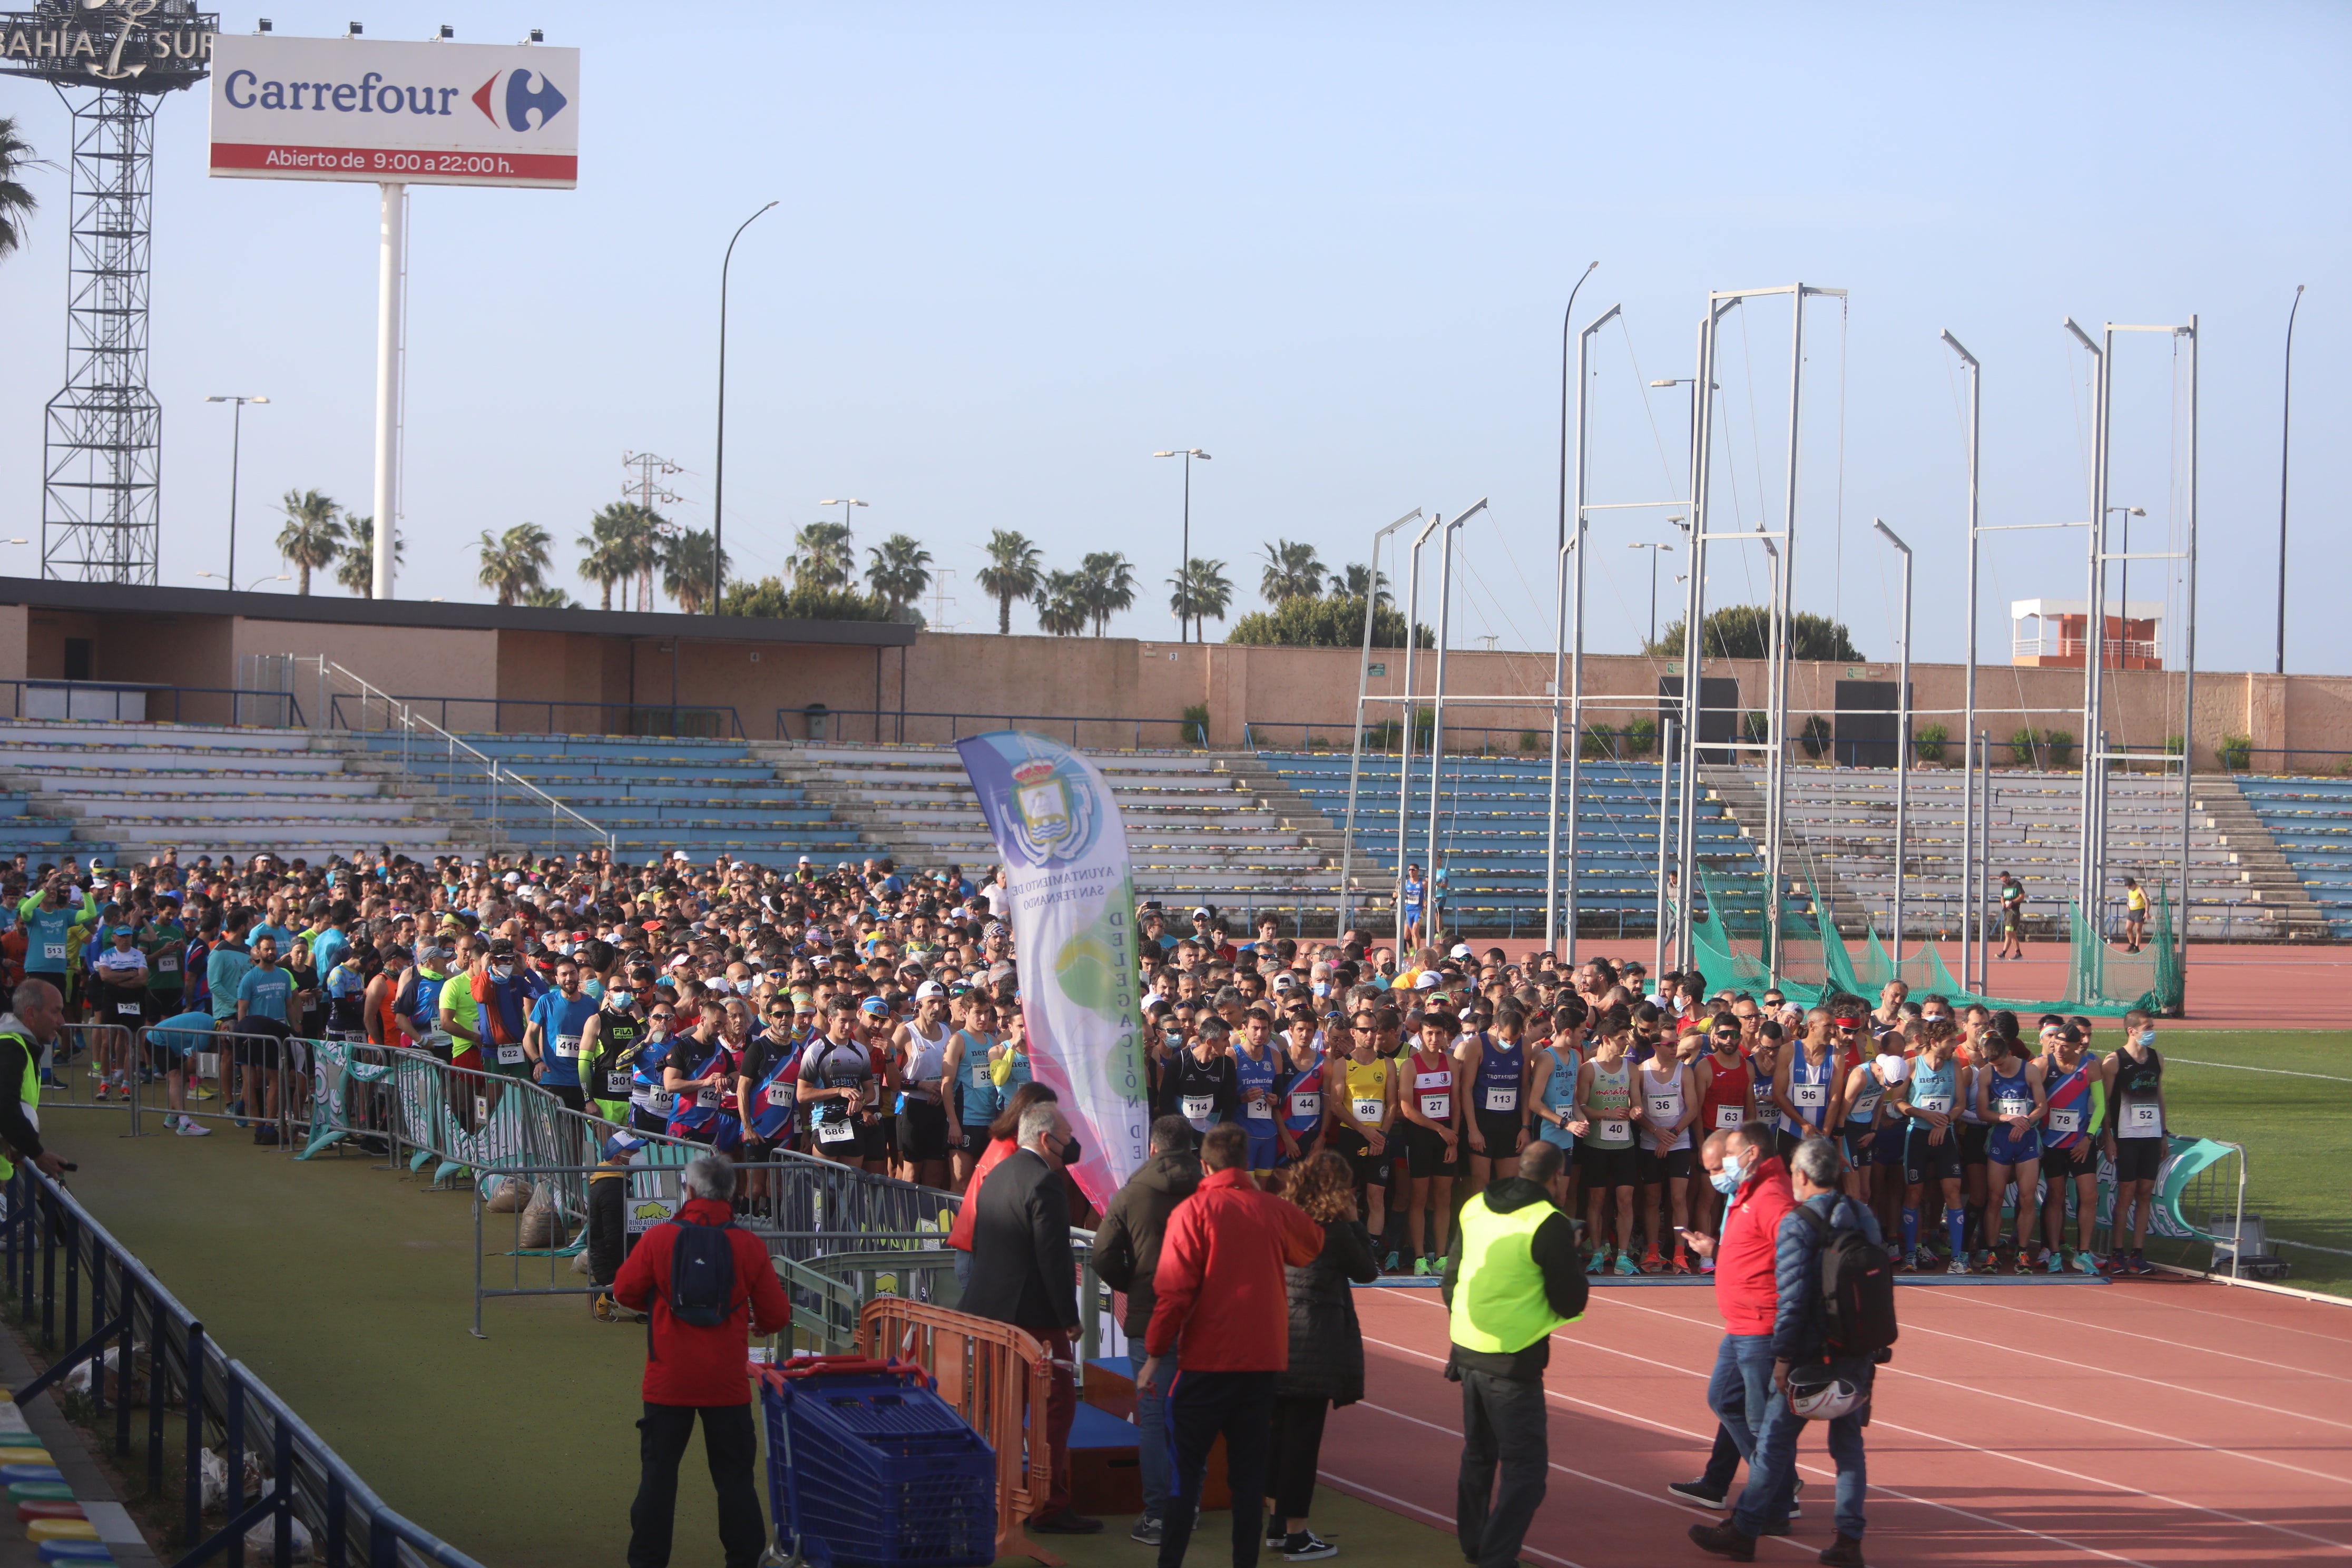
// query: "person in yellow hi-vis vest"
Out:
[40,1010]
[1513,1276]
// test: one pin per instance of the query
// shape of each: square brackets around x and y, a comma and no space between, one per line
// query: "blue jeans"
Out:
[1772,1467]
[1740,1395]
[1151,1429]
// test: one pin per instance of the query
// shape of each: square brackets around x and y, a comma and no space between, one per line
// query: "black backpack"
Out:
[702,1274]
[1858,1291]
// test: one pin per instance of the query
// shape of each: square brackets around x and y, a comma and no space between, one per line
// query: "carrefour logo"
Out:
[520,99]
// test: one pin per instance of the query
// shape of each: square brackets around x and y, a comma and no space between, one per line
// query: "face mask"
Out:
[2147,1036]
[503,971]
[1070,1152]
[1726,1180]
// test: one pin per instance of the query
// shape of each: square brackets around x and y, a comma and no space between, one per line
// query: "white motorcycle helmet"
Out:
[1819,1393]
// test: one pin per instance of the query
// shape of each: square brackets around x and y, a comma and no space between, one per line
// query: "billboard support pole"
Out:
[387,383]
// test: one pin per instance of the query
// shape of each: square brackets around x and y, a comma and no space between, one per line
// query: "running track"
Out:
[2155,1422]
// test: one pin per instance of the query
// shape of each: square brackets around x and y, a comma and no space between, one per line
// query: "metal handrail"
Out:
[1198,730]
[411,722]
[306,1478]
[724,714]
[20,686]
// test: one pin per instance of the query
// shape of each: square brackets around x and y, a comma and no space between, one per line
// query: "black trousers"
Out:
[1202,1405]
[1501,1421]
[608,1225]
[733,1452]
[1297,1448]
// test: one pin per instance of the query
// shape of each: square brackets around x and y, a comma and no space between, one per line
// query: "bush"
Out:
[1529,740]
[1816,736]
[2058,745]
[1336,620]
[2237,753]
[1600,741]
[2025,748]
[1196,724]
[1927,745]
[1640,737]
[770,599]
[1755,728]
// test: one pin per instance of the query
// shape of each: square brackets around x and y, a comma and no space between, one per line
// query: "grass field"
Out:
[2287,1098]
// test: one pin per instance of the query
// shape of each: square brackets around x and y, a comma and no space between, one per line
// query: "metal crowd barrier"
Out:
[135,1319]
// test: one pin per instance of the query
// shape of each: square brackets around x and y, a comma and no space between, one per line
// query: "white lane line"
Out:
[2019,1459]
[1971,1298]
[2239,1066]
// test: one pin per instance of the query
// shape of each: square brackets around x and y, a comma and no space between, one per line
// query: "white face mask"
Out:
[503,971]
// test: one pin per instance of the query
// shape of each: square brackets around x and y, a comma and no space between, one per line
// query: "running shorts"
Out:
[1372,1170]
[2137,1159]
[1651,1169]
[1924,1162]
[2064,1164]
[1426,1155]
[1501,1130]
[1857,1152]
[2005,1148]
[922,1130]
[1608,1167]
[1973,1138]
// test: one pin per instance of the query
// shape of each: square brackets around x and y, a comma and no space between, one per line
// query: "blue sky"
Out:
[1022,248]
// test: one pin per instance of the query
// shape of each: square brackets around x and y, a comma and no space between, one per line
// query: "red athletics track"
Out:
[2232,985]
[2146,1422]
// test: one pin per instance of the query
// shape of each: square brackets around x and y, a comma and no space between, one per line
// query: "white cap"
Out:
[804,861]
[1201,914]
[1461,950]
[929,989]
[1425,981]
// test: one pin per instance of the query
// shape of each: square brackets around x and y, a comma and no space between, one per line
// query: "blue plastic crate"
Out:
[867,1467]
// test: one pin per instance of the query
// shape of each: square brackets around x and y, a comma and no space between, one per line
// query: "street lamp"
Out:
[1653,549]
[2286,408]
[1184,567]
[719,478]
[845,503]
[236,446]
[2123,643]
[257,581]
[1902,737]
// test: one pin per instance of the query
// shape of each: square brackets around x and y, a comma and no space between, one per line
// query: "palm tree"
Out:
[356,570]
[1352,581]
[16,202]
[1062,606]
[547,599]
[1201,592]
[900,571]
[1109,580]
[516,561]
[1013,571]
[313,534]
[686,569]
[621,543]
[1292,571]
[823,556]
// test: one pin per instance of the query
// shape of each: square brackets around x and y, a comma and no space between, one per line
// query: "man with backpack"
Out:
[1833,1322]
[709,1288]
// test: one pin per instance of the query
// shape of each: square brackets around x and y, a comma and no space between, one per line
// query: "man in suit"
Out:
[1023,1273]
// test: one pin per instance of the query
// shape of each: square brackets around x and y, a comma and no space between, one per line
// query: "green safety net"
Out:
[1740,930]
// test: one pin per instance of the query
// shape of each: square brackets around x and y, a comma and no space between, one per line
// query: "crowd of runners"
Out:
[869,1016]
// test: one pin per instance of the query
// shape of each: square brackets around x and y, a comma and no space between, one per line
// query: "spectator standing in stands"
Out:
[1023,1273]
[704,1317]
[1514,1275]
[1127,1256]
[1223,1304]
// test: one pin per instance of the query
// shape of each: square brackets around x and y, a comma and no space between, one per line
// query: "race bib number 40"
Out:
[1615,1132]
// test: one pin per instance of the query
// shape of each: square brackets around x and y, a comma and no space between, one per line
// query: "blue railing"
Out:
[350,1526]
[817,722]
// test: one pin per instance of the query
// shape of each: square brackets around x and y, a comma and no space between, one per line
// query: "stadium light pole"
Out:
[1571,363]
[1971,887]
[1902,738]
[2123,643]
[1184,567]
[719,477]
[236,450]
[1653,549]
[2286,411]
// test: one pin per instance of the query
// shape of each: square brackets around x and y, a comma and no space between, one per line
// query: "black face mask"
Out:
[1070,1152]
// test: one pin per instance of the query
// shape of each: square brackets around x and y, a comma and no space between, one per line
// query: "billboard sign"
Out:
[380,111]
[123,45]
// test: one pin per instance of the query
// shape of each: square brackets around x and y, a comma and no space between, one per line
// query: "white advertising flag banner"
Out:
[375,111]
[1073,911]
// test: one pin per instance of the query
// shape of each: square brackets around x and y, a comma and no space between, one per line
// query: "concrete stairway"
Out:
[138,789]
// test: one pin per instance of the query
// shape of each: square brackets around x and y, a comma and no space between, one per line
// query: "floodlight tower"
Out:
[102,440]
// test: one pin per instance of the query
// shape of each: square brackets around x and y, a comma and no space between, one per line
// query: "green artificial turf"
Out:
[2294,1117]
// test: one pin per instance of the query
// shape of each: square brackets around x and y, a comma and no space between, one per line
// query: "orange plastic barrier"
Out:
[999,1379]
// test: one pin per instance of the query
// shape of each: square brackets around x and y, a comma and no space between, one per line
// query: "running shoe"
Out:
[191,1127]
[2140,1264]
[1627,1266]
[1389,1264]
[1421,1267]
[2087,1262]
[1147,1530]
[1306,1546]
[2054,1262]
[1652,1263]
[1695,1494]
[199,1092]
[99,1093]
[1598,1263]
[1706,1266]
[1959,1265]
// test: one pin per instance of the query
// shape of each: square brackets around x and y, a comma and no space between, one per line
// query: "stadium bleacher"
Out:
[2310,822]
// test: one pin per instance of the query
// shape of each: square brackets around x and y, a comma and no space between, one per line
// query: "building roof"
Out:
[115,598]
[2137,610]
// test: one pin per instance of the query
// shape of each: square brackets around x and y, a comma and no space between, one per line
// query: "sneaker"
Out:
[191,1127]
[1706,1266]
[1421,1266]
[99,1093]
[266,1135]
[1389,1264]
[1147,1529]
[200,1092]
[1797,1499]
[606,1309]
[1695,1494]
[1598,1263]
[2054,1262]
[1652,1263]
[1959,1265]
[1627,1266]
[2087,1262]
[1306,1546]
[2140,1264]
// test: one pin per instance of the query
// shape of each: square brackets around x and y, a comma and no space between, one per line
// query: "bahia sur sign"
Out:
[124,46]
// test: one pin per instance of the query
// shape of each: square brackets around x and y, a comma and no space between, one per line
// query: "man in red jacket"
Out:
[1222,1293]
[1743,1166]
[693,1370]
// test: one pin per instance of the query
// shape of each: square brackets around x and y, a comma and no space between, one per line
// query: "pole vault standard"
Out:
[1404,744]
[2087,876]
[1363,685]
[1775,745]
[1437,700]
[1570,627]
[1902,738]
[1972,939]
